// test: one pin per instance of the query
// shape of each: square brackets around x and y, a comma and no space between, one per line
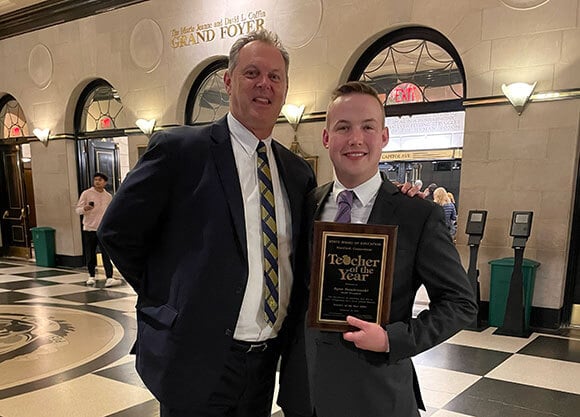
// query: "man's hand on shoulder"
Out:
[369,336]
[410,190]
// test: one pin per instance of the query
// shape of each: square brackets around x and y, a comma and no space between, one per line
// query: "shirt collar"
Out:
[247,140]
[364,192]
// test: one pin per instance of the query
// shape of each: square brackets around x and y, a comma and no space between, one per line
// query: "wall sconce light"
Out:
[146,126]
[518,94]
[42,135]
[293,114]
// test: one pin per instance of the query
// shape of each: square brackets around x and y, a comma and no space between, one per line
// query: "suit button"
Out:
[239,290]
[228,332]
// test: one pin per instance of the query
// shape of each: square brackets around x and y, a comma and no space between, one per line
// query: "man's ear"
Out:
[325,138]
[385,136]
[228,82]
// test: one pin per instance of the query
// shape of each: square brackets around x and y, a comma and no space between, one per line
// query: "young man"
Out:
[368,372]
[92,205]
[204,228]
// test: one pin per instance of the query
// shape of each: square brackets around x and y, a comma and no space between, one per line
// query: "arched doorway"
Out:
[17,210]
[421,79]
[208,100]
[101,141]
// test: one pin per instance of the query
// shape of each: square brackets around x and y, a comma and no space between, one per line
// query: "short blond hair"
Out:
[356,87]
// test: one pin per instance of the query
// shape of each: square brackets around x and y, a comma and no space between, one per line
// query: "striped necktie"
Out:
[344,203]
[269,236]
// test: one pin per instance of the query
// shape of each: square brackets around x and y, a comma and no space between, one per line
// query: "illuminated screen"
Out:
[476,217]
[522,218]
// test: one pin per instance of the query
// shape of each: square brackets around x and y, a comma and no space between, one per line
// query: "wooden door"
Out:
[13,207]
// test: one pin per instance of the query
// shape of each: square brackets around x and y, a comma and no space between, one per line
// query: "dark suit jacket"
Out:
[176,232]
[320,369]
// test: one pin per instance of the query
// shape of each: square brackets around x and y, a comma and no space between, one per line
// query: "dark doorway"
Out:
[98,155]
[572,293]
[444,173]
[14,207]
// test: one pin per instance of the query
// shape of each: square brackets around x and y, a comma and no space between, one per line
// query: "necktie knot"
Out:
[345,197]
[344,203]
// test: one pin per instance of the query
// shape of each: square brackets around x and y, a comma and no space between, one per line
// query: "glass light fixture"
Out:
[518,94]
[146,126]
[42,135]
[293,114]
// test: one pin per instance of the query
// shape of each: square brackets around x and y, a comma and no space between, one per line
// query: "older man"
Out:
[204,228]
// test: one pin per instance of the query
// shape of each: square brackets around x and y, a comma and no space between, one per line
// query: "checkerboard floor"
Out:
[64,352]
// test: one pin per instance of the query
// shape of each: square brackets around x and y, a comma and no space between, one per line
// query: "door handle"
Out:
[6,216]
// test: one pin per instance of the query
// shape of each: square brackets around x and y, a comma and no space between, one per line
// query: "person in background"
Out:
[440,196]
[418,184]
[92,205]
[368,372]
[451,197]
[205,228]
[429,191]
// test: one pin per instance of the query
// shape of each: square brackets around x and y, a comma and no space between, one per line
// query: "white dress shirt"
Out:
[251,324]
[362,205]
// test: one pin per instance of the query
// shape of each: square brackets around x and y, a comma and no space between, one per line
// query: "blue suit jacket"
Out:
[321,370]
[176,232]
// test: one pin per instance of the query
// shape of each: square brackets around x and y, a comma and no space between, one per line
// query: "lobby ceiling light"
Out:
[518,94]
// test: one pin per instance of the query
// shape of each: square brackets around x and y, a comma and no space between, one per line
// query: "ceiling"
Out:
[7,6]
[23,16]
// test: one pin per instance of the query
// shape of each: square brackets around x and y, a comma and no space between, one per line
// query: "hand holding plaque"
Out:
[352,274]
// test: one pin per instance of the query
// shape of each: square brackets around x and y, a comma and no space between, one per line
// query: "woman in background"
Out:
[440,197]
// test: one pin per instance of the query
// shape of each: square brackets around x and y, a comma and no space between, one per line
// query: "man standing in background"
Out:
[92,205]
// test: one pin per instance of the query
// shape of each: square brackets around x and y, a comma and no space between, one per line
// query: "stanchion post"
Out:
[514,322]
[475,228]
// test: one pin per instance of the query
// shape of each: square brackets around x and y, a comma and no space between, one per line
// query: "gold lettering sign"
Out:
[227,27]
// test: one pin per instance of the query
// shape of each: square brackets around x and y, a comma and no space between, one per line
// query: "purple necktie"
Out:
[344,202]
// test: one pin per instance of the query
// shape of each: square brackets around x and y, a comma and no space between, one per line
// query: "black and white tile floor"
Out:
[64,352]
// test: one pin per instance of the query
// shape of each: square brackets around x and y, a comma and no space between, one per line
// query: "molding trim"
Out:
[568,94]
[53,12]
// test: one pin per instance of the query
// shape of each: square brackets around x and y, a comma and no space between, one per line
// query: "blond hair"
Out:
[440,196]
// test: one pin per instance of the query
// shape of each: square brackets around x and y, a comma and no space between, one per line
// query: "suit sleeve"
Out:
[452,302]
[133,216]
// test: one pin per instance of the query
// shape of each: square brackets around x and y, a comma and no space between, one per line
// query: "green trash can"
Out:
[44,246]
[499,288]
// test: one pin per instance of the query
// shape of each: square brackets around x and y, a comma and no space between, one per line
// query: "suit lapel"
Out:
[319,197]
[384,207]
[223,156]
